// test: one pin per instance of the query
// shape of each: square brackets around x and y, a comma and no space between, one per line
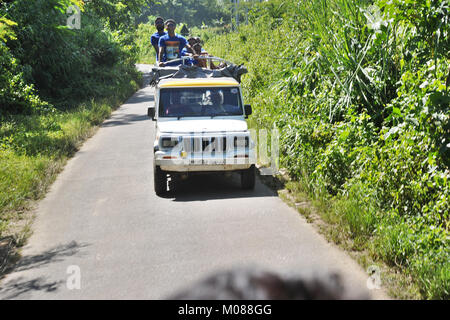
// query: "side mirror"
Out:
[151,113]
[248,110]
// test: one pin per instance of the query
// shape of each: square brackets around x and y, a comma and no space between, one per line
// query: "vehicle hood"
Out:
[203,125]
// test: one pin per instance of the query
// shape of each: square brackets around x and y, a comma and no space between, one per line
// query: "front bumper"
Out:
[201,163]
[206,152]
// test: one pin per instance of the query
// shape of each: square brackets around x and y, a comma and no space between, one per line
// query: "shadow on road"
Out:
[140,97]
[214,187]
[120,119]
[20,286]
[124,119]
[56,254]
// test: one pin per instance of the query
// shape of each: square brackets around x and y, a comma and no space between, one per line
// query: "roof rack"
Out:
[184,71]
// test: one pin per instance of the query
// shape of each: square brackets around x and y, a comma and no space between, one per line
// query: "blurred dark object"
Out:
[247,284]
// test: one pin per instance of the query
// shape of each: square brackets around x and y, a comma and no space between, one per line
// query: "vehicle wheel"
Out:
[248,178]
[160,178]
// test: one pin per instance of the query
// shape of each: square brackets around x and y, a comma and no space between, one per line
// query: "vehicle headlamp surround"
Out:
[170,142]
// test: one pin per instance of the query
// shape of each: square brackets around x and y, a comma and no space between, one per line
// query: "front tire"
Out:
[160,181]
[248,178]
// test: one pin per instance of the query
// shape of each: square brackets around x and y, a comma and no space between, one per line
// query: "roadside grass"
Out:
[373,239]
[34,149]
[343,222]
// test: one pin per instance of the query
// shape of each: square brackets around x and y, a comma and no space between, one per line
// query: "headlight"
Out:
[241,142]
[169,142]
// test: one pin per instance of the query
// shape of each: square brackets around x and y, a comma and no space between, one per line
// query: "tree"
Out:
[118,14]
[190,12]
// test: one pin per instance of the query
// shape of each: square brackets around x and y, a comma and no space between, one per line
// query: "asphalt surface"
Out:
[102,233]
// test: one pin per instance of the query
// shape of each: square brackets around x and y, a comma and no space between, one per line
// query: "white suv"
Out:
[201,128]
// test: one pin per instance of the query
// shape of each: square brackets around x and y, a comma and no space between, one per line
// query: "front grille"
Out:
[202,144]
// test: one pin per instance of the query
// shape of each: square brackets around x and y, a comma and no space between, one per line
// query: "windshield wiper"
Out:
[184,116]
[219,114]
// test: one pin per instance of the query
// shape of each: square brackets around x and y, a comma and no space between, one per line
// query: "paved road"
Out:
[103,217]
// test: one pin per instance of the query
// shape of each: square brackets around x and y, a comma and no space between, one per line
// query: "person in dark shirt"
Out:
[159,24]
[188,52]
[194,52]
[189,49]
[198,52]
[171,45]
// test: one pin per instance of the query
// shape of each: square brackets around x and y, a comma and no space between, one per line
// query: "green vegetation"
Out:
[193,13]
[358,88]
[145,51]
[56,85]
[360,91]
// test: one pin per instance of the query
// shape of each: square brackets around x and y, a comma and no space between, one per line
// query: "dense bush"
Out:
[68,66]
[16,95]
[360,90]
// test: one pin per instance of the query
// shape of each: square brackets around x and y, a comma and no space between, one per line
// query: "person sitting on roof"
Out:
[191,52]
[171,45]
[154,39]
[188,49]
[199,52]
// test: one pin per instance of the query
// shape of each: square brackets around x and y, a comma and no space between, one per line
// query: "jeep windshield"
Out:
[200,102]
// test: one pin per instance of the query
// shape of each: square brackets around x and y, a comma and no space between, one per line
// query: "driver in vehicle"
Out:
[217,102]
